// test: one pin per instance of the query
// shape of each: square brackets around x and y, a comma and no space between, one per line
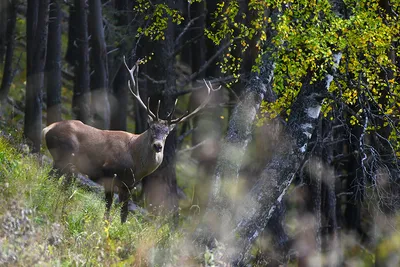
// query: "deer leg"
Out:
[109,193]
[123,198]
[55,171]
[63,167]
[109,200]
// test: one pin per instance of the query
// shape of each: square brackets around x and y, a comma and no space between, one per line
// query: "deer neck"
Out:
[145,158]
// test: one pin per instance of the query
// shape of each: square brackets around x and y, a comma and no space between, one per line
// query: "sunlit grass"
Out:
[50,223]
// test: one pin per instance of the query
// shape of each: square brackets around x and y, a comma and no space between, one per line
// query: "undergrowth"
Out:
[44,222]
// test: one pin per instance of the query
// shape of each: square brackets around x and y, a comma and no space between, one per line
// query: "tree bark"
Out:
[100,107]
[4,9]
[268,192]
[208,125]
[218,218]
[212,70]
[80,59]
[160,187]
[10,43]
[53,64]
[36,33]
[119,101]
[71,55]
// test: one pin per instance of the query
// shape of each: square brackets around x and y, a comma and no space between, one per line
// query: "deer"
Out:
[114,158]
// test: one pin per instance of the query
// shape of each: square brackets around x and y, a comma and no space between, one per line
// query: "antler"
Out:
[136,84]
[189,115]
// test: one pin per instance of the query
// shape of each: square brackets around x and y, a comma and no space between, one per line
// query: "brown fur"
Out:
[111,158]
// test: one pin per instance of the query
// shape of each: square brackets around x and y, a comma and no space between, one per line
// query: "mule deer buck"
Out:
[114,158]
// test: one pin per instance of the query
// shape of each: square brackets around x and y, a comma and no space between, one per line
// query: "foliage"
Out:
[156,18]
[239,31]
[308,33]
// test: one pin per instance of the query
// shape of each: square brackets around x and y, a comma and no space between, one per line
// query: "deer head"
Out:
[158,128]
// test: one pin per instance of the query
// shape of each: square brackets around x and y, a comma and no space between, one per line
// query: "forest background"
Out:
[295,160]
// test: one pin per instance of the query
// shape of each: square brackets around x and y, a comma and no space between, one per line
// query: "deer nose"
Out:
[157,147]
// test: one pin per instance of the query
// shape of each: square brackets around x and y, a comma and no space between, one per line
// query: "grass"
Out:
[46,223]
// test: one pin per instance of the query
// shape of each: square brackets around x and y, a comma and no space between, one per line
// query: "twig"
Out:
[190,23]
[182,151]
[153,80]
[209,61]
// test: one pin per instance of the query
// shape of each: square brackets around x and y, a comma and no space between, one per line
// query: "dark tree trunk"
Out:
[212,49]
[4,9]
[355,184]
[160,187]
[71,55]
[197,10]
[53,64]
[329,232]
[80,58]
[9,37]
[119,101]
[100,107]
[208,125]
[36,33]
[143,47]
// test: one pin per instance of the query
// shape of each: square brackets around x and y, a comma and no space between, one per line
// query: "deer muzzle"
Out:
[157,147]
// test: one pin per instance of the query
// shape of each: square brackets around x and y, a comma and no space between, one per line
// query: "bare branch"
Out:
[188,116]
[190,23]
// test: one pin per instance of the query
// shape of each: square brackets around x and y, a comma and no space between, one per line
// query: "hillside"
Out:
[43,222]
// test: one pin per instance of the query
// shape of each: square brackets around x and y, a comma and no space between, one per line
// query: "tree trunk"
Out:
[355,183]
[198,47]
[71,54]
[119,101]
[4,9]
[53,64]
[218,218]
[80,58]
[212,70]
[36,33]
[268,192]
[10,42]
[208,125]
[160,187]
[100,107]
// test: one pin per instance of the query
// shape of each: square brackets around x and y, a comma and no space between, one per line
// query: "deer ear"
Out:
[171,127]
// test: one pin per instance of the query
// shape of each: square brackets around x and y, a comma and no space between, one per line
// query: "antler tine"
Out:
[189,115]
[158,110]
[209,86]
[137,95]
[148,108]
[172,112]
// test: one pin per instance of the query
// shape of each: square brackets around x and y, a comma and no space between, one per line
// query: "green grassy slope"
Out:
[46,223]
